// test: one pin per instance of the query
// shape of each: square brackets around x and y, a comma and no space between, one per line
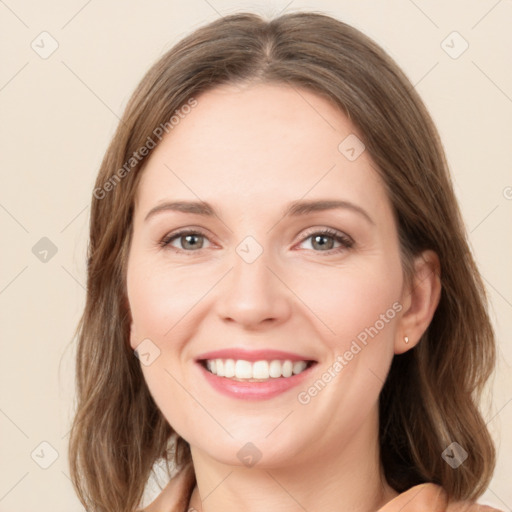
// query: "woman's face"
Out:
[254,277]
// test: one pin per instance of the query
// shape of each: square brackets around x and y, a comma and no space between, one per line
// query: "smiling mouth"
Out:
[255,371]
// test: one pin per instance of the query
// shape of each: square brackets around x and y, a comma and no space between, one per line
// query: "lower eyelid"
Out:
[168,239]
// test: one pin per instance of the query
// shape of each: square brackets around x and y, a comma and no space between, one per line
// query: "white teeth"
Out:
[229,368]
[275,369]
[260,370]
[299,367]
[243,369]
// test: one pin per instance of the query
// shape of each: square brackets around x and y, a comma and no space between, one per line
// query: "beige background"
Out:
[59,113]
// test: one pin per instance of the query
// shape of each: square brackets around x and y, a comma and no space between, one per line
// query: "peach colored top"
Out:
[430,498]
[420,498]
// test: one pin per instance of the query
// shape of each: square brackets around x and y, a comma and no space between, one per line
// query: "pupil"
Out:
[190,238]
[323,244]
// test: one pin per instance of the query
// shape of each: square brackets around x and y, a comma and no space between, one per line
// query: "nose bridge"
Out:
[252,293]
[250,271]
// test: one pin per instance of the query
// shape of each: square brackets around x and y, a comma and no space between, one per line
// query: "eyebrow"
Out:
[294,209]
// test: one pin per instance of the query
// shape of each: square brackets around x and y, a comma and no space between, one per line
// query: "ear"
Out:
[420,299]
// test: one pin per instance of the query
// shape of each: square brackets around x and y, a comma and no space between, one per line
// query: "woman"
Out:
[275,236]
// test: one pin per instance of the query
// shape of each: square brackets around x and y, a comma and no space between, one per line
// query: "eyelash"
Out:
[345,241]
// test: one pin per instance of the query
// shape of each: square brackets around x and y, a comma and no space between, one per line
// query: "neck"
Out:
[343,478]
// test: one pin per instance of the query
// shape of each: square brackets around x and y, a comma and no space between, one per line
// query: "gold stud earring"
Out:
[406,339]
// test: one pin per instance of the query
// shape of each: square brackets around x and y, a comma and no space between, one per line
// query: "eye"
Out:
[325,239]
[189,240]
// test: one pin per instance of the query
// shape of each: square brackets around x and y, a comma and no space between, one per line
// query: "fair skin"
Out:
[249,152]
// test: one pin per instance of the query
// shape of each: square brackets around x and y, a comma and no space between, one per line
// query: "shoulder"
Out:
[433,498]
[419,498]
[174,496]
[468,506]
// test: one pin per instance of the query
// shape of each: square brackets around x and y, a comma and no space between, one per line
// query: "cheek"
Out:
[160,298]
[169,304]
[357,303]
[343,303]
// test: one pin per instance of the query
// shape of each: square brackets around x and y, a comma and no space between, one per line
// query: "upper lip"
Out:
[253,355]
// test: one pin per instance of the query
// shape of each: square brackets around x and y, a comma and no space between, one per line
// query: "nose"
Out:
[253,294]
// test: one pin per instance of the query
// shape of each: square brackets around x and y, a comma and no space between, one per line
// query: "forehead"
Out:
[261,144]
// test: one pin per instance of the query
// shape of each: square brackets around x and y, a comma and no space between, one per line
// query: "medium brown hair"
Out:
[432,394]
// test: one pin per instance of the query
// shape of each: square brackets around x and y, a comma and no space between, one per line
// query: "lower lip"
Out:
[254,390]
